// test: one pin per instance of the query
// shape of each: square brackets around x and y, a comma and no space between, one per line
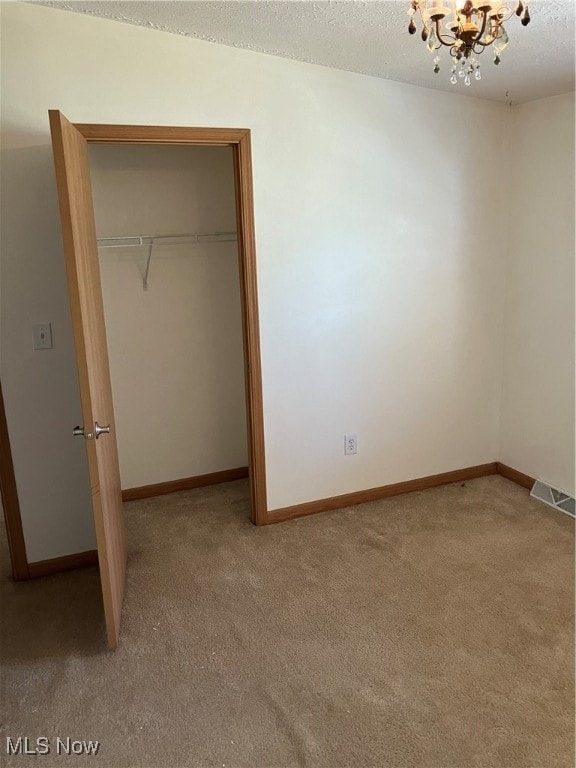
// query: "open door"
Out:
[80,249]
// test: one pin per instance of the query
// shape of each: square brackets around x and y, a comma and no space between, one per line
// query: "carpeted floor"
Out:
[433,629]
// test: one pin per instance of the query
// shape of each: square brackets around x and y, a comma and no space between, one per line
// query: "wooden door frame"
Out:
[10,503]
[240,141]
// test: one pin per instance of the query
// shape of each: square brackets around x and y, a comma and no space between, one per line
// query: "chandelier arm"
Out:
[497,23]
[484,45]
[507,19]
[482,30]
[449,40]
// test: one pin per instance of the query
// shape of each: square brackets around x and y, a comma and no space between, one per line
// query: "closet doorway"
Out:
[166,231]
[71,154]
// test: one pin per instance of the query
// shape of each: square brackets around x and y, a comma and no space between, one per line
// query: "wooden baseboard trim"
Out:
[66,563]
[517,477]
[185,484]
[384,491]
[90,558]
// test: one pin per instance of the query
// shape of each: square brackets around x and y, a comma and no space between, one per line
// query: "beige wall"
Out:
[538,384]
[176,349]
[381,234]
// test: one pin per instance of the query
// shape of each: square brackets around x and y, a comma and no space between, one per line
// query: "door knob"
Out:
[98,430]
[79,432]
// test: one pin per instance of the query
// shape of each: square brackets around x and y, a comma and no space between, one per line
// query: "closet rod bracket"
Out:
[148,260]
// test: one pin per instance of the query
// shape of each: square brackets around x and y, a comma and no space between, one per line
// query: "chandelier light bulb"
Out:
[466,29]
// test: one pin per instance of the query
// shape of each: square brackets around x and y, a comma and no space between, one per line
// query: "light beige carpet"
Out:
[434,629]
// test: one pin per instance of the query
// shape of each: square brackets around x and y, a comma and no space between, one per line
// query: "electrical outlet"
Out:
[350,445]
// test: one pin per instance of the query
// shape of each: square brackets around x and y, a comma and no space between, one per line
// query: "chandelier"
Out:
[468,30]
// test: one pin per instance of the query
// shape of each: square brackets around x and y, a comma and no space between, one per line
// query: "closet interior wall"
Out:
[175,347]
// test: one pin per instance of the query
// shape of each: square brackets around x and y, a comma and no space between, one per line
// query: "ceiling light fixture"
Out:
[471,29]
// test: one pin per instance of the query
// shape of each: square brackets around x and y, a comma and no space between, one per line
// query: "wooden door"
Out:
[80,249]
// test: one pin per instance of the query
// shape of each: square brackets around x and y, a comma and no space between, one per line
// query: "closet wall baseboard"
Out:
[382,492]
[185,484]
[517,477]
[59,564]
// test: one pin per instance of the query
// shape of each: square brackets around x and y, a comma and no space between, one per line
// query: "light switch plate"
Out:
[42,336]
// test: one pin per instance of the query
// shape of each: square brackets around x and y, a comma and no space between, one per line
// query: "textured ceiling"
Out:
[368,37]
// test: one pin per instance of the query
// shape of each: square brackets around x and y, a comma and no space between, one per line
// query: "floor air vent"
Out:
[553,497]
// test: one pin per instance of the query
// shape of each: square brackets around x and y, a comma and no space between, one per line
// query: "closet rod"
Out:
[136,241]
